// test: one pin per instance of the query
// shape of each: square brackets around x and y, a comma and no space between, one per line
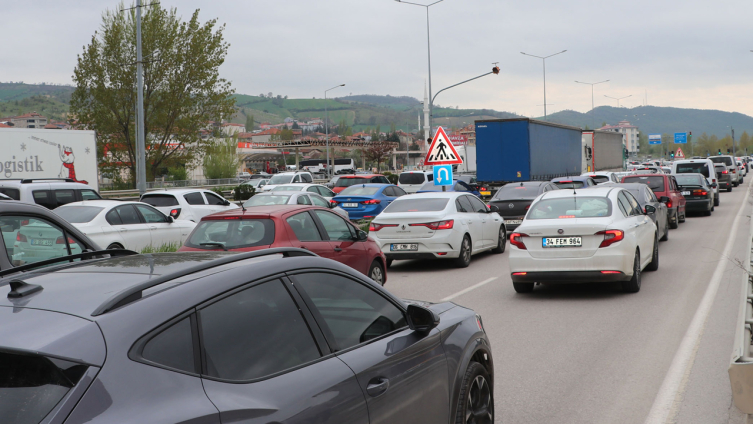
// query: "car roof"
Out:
[573,178]
[433,194]
[362,175]
[174,191]
[645,175]
[596,191]
[103,203]
[260,211]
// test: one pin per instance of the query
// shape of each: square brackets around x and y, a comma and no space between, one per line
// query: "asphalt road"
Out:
[589,353]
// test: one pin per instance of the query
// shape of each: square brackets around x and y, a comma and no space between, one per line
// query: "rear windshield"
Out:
[416,205]
[13,193]
[692,168]
[31,385]
[347,182]
[412,178]
[600,178]
[512,191]
[571,207]
[654,183]
[78,214]
[281,179]
[289,188]
[232,234]
[569,184]
[689,180]
[160,200]
[722,159]
[359,191]
[267,199]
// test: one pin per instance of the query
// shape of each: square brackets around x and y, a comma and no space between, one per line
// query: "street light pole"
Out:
[593,124]
[140,135]
[326,126]
[428,48]
[495,70]
[543,60]
[618,98]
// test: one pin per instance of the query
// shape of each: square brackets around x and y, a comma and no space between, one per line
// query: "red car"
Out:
[666,190]
[350,180]
[309,227]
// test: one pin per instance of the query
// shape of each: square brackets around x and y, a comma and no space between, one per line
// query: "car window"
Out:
[413,204]
[352,312]
[319,201]
[570,207]
[335,227]
[459,186]
[313,189]
[13,193]
[266,200]
[429,177]
[649,194]
[151,215]
[32,239]
[128,215]
[307,178]
[324,191]
[411,178]
[388,192]
[634,204]
[465,201]
[160,200]
[459,207]
[78,214]
[624,204]
[44,198]
[63,197]
[194,198]
[214,199]
[296,179]
[398,191]
[172,347]
[113,218]
[303,200]
[232,233]
[304,227]
[255,333]
[477,204]
[90,195]
[360,191]
[673,182]
[380,180]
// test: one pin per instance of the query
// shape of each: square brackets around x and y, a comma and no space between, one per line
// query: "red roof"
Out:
[5,126]
[270,131]
[245,135]
[30,115]
[231,124]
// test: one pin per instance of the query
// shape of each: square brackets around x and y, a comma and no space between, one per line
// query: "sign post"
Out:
[442,152]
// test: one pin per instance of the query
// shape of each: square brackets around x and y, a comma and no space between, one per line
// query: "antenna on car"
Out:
[242,207]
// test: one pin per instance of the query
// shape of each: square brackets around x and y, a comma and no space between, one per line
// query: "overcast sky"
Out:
[683,53]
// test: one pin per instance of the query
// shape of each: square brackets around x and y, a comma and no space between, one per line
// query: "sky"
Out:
[678,53]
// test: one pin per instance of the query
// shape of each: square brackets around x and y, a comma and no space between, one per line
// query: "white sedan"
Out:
[597,235]
[125,225]
[311,188]
[438,225]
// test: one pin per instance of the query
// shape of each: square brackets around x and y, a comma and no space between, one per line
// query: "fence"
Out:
[741,366]
[150,185]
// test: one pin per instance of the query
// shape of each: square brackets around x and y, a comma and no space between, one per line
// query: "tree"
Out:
[182,87]
[221,160]
[377,151]
[249,123]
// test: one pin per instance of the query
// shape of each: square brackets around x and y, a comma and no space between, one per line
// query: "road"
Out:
[589,353]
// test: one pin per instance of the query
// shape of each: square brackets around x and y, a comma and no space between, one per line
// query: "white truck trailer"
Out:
[601,151]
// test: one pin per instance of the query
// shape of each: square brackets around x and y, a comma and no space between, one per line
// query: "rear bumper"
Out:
[612,258]
[428,248]
[569,277]
[698,205]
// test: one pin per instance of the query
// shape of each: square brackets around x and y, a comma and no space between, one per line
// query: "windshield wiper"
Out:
[222,245]
[69,258]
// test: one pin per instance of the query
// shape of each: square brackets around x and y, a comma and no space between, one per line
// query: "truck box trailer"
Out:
[40,153]
[602,151]
[468,154]
[523,149]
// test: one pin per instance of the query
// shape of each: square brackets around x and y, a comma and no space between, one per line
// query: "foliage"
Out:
[363,224]
[378,151]
[249,123]
[243,192]
[49,107]
[177,173]
[182,86]
[392,178]
[221,160]
[164,248]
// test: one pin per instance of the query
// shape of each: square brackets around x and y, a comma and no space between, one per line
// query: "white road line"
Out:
[464,291]
[666,403]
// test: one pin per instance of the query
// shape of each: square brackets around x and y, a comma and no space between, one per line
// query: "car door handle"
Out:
[377,386]
[122,230]
[337,249]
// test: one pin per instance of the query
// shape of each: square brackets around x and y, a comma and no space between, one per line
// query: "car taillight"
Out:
[528,207]
[516,240]
[25,222]
[20,237]
[437,225]
[175,213]
[371,202]
[669,204]
[61,240]
[482,188]
[611,237]
[700,192]
[725,172]
[376,227]
[333,202]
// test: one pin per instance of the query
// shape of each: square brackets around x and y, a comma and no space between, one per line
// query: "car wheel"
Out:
[665,237]
[682,218]
[114,246]
[376,273]
[523,287]
[716,201]
[708,212]
[476,401]
[502,242]
[673,222]
[654,265]
[465,253]
[729,188]
[634,285]
[389,262]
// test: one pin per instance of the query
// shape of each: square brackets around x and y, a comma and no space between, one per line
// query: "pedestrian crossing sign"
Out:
[441,151]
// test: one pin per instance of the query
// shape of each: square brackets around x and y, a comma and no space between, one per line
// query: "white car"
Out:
[293,197]
[699,166]
[741,169]
[125,225]
[187,204]
[412,181]
[597,235]
[311,188]
[601,177]
[438,225]
[50,193]
[288,178]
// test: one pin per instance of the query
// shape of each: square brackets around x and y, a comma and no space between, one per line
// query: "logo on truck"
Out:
[68,169]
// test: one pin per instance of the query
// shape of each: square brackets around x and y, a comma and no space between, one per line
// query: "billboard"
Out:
[458,139]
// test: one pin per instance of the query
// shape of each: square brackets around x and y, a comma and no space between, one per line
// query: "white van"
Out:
[288,178]
[699,166]
[49,192]
[411,181]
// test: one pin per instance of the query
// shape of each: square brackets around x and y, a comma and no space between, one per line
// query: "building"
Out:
[629,135]
[29,120]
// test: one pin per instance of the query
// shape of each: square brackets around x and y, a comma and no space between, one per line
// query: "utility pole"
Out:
[543,61]
[140,143]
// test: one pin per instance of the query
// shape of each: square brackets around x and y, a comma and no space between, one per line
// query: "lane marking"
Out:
[666,404]
[464,291]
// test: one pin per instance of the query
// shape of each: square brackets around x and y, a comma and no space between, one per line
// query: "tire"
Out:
[476,400]
[682,219]
[465,253]
[665,237]
[376,272]
[114,246]
[729,189]
[654,264]
[634,285]
[716,201]
[389,262]
[707,213]
[523,287]
[673,224]
[502,242]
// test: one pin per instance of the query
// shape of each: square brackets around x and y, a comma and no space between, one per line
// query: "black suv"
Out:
[277,335]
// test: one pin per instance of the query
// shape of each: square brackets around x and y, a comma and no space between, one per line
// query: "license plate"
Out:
[686,193]
[404,247]
[562,242]
[486,193]
[40,242]
[513,221]
[350,205]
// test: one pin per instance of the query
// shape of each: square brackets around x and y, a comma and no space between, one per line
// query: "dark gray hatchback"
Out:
[278,335]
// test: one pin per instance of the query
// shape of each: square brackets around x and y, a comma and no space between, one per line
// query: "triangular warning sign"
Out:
[679,154]
[441,151]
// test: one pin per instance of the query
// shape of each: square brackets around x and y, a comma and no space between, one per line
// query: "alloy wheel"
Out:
[479,409]
[466,250]
[377,275]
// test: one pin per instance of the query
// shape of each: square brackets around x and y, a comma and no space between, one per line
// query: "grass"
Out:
[165,248]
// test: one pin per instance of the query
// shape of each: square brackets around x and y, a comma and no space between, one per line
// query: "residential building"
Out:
[629,135]
[29,120]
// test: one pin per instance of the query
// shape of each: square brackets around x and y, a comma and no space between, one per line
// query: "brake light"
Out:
[175,213]
[611,272]
[611,237]
[567,216]
[700,192]
[725,172]
[482,189]
[20,237]
[376,227]
[437,225]
[333,202]
[371,202]
[516,240]
[669,204]
[519,273]
[61,240]
[219,218]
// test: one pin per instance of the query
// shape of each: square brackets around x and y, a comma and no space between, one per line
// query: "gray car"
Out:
[276,335]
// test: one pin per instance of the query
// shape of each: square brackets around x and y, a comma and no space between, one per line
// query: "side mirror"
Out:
[227,202]
[650,209]
[170,219]
[493,208]
[664,199]
[421,319]
[362,235]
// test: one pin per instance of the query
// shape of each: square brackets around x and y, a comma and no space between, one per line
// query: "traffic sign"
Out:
[441,151]
[681,138]
[679,154]
[442,175]
[654,139]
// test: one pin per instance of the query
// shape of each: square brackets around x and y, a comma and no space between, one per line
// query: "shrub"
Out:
[165,248]
[243,192]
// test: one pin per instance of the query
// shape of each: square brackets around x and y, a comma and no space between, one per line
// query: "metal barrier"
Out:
[741,366]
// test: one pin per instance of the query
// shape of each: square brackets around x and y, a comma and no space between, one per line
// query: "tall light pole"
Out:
[326,126]
[428,49]
[618,98]
[592,98]
[543,60]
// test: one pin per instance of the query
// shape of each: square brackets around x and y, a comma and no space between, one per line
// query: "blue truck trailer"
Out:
[511,150]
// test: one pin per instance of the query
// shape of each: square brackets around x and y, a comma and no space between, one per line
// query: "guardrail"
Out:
[131,194]
[741,366]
